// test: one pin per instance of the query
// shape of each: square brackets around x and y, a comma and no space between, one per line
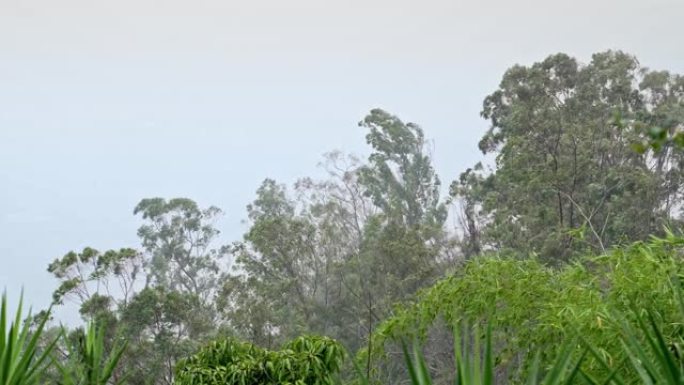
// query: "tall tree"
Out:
[89,273]
[333,256]
[401,242]
[566,178]
[161,298]
[399,176]
[277,258]
[178,237]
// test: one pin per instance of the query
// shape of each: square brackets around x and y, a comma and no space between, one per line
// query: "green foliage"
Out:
[562,165]
[475,366]
[303,361]
[652,356]
[76,271]
[652,352]
[399,176]
[332,256]
[662,129]
[178,236]
[162,326]
[88,363]
[531,307]
[161,297]
[21,362]
[283,266]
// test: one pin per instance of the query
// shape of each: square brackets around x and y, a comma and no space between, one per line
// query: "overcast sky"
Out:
[103,103]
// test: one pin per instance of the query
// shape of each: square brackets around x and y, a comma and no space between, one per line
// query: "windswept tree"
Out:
[332,256]
[399,176]
[401,242]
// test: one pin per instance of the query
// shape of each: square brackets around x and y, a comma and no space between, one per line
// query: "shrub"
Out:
[303,361]
[88,362]
[21,362]
[531,307]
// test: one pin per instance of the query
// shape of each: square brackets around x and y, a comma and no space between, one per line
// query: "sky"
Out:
[103,102]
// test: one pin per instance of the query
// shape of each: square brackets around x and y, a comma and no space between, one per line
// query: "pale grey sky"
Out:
[103,103]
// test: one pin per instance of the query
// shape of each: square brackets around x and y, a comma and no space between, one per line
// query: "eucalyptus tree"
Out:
[99,283]
[402,243]
[274,257]
[401,240]
[565,177]
[178,236]
[160,297]
[83,275]
[399,176]
[332,256]
[281,286]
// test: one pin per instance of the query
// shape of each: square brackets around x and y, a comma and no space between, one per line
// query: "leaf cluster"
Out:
[532,307]
[303,361]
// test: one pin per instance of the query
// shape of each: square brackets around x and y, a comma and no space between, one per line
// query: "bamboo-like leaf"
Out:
[409,364]
[423,372]
[20,363]
[89,364]
[488,376]
[533,375]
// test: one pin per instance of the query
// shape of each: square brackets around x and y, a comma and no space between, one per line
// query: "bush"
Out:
[531,307]
[21,361]
[303,361]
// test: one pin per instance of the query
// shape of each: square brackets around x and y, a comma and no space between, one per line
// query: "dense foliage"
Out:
[563,165]
[303,361]
[531,307]
[21,360]
[87,360]
[24,360]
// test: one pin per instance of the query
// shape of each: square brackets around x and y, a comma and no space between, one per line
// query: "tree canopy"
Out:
[566,178]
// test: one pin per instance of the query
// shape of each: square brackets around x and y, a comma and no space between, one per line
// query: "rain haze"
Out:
[103,103]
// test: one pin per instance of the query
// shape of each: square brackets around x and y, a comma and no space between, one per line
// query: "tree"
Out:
[399,176]
[566,178]
[178,236]
[663,126]
[92,273]
[162,326]
[335,255]
[280,262]
[98,282]
[401,242]
[161,298]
